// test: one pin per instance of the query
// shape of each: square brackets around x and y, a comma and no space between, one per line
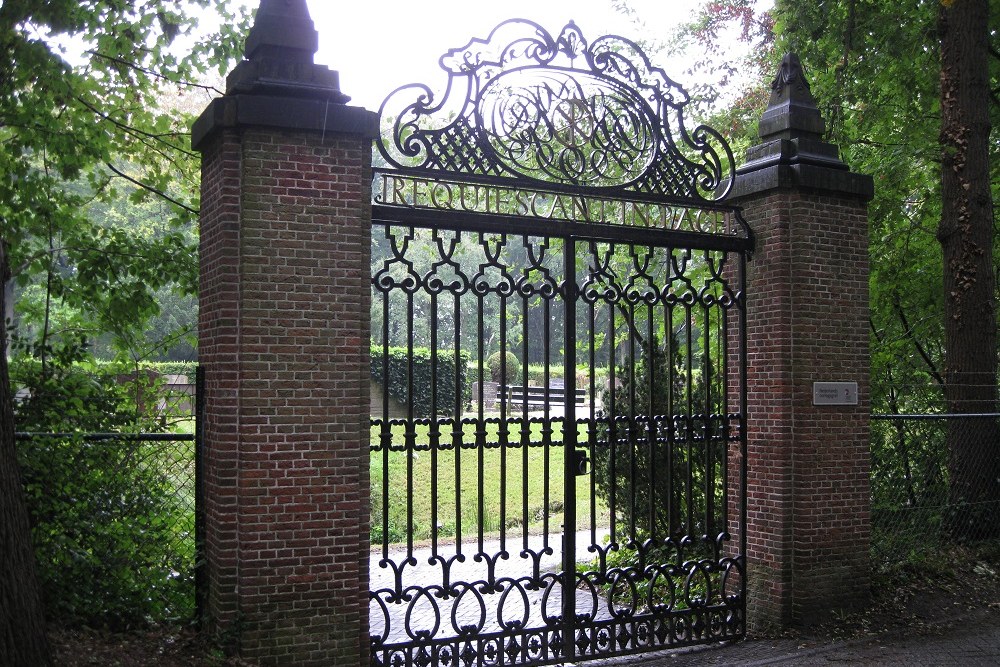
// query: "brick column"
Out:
[808,464]
[284,339]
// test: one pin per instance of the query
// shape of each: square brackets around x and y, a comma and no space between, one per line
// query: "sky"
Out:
[379,45]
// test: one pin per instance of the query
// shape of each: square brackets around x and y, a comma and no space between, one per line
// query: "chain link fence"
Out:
[935,481]
[114,525]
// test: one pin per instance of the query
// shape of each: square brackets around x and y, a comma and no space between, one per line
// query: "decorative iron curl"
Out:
[522,105]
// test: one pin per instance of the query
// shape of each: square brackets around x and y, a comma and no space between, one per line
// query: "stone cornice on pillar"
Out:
[279,85]
[792,153]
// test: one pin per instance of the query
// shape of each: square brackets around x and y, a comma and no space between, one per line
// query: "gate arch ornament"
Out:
[523,105]
[553,204]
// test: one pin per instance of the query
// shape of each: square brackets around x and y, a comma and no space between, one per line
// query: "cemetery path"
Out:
[428,573]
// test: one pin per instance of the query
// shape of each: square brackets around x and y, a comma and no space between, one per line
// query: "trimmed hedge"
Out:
[447,367]
[187,368]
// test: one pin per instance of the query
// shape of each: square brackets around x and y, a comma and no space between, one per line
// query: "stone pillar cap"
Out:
[791,112]
[286,25]
[279,56]
[792,153]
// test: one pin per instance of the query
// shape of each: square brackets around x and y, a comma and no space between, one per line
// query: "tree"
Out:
[907,106]
[22,622]
[81,121]
[966,237]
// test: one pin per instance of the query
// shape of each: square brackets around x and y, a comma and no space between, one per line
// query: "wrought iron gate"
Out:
[558,367]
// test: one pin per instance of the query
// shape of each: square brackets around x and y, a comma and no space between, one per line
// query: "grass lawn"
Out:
[416,486]
[528,498]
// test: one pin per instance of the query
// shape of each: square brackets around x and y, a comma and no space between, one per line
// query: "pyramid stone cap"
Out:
[283,26]
[791,112]
[792,153]
[279,56]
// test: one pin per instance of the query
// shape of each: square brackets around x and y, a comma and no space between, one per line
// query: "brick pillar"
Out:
[284,339]
[808,463]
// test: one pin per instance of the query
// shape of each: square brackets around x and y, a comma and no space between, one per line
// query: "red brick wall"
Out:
[284,328]
[218,337]
[808,466]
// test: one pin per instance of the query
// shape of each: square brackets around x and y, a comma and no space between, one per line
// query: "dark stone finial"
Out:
[283,25]
[791,112]
[279,56]
[792,152]
[790,74]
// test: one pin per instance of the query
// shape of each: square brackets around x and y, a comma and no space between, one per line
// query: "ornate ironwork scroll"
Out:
[558,113]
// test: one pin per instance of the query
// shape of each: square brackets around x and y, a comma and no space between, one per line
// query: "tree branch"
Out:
[157,75]
[161,138]
[149,188]
[908,331]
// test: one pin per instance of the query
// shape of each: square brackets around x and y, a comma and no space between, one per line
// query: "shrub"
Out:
[496,363]
[187,368]
[635,468]
[105,515]
[536,373]
[613,466]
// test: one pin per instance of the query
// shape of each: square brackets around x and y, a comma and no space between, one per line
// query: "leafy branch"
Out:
[151,189]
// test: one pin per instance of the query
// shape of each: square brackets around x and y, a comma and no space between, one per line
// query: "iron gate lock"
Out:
[580,462]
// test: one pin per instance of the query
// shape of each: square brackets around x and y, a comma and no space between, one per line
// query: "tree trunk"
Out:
[966,236]
[22,624]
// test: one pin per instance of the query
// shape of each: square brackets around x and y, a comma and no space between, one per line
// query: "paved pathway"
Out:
[426,612]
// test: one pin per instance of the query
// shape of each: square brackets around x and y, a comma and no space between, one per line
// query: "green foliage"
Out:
[536,373]
[446,363]
[504,366]
[108,524]
[625,449]
[636,473]
[99,191]
[98,199]
[187,368]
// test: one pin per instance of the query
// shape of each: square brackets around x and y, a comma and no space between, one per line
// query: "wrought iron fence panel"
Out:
[623,364]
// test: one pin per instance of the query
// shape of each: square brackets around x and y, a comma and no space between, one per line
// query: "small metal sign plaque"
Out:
[835,393]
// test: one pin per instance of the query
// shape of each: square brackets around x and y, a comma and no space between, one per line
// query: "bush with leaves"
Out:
[448,367]
[111,533]
[504,366]
[633,458]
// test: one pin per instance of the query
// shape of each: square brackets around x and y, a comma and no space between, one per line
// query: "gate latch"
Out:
[580,462]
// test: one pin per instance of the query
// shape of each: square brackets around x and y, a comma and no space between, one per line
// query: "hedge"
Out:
[187,368]
[398,368]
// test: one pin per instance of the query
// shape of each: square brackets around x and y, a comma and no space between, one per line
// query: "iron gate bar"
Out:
[492,223]
[561,648]
[570,434]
